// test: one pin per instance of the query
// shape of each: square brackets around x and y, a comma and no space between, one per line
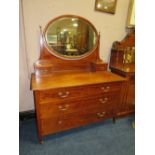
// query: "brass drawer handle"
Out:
[105,89]
[103,100]
[63,108]
[101,114]
[63,95]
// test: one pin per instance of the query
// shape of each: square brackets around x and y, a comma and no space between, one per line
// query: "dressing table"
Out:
[71,84]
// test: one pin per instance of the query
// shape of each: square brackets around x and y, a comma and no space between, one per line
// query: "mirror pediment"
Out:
[70,37]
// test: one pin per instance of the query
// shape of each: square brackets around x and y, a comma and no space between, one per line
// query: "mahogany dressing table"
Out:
[71,84]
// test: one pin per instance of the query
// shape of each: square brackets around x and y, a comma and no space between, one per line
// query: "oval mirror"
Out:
[70,37]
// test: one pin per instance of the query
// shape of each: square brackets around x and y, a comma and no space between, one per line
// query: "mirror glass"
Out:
[70,36]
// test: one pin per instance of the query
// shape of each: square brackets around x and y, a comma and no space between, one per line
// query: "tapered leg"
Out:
[40,139]
[114,120]
[41,142]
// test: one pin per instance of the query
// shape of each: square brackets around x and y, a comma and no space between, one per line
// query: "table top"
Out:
[58,80]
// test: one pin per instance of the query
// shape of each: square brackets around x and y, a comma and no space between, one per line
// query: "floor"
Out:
[104,138]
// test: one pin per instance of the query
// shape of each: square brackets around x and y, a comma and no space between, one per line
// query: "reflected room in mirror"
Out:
[70,36]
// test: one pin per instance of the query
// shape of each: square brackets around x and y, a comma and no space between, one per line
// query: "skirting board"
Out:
[26,115]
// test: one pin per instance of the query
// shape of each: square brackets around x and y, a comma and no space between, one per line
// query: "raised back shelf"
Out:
[51,62]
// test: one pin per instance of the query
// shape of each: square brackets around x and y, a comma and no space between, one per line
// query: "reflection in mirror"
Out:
[70,36]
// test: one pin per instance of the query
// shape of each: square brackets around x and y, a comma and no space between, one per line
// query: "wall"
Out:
[39,12]
[25,95]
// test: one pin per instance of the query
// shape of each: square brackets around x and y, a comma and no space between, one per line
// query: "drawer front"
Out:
[67,94]
[106,101]
[52,125]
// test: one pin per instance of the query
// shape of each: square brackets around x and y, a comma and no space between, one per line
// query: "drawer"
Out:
[70,93]
[52,125]
[106,101]
[48,126]
[58,109]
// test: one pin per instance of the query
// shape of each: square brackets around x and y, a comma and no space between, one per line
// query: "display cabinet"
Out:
[122,62]
[71,84]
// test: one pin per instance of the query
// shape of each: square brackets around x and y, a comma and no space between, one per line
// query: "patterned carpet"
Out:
[104,138]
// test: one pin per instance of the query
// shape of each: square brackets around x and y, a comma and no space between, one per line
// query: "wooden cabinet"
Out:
[73,91]
[94,97]
[122,62]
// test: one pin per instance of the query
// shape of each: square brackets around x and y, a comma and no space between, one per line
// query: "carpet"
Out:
[103,138]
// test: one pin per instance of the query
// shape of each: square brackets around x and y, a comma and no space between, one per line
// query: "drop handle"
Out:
[63,108]
[63,94]
[101,114]
[105,89]
[103,100]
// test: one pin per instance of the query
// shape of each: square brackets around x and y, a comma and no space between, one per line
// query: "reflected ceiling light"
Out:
[65,30]
[99,5]
[75,24]
[73,19]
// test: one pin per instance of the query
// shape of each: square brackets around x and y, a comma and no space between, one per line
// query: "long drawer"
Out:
[69,93]
[52,125]
[106,102]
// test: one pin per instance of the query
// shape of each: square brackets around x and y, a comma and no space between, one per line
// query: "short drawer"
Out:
[50,110]
[106,101]
[67,94]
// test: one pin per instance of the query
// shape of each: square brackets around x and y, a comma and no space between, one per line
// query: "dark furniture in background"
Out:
[122,62]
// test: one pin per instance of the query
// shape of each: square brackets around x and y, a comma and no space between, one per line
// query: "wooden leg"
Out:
[133,124]
[114,120]
[41,142]
[40,139]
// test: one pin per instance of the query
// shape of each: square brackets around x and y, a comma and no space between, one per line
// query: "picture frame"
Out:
[108,6]
[131,15]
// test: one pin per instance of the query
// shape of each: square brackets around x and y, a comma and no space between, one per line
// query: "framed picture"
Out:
[131,15]
[108,6]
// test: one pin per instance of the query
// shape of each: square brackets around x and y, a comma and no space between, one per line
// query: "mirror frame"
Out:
[55,53]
